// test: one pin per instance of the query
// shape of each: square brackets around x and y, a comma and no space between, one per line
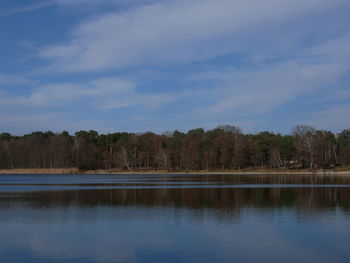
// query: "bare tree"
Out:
[124,158]
[305,143]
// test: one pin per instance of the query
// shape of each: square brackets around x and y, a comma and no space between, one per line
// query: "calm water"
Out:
[174,218]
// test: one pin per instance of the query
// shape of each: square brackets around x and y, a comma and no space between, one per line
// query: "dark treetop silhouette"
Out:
[223,148]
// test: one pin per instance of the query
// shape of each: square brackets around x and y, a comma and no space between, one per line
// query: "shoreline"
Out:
[75,171]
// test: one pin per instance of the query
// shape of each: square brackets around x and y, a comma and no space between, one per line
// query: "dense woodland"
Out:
[223,148]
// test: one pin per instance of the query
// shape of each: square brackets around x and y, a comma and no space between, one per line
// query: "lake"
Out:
[174,218]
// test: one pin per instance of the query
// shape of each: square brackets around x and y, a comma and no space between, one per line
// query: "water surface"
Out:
[174,218]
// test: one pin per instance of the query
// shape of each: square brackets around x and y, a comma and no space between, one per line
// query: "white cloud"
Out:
[260,90]
[334,49]
[116,93]
[65,106]
[174,31]
[103,93]
[21,123]
[25,9]
[82,4]
[11,80]
[70,3]
[275,38]
[257,92]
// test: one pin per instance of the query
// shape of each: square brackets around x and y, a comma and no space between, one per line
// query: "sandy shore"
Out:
[77,171]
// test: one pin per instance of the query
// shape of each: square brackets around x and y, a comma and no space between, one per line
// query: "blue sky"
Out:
[151,65]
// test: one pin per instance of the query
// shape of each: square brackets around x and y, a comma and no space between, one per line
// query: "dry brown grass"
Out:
[343,170]
[41,171]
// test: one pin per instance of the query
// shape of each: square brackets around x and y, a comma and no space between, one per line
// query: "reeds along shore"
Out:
[41,171]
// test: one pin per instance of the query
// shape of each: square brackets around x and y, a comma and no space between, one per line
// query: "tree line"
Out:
[223,148]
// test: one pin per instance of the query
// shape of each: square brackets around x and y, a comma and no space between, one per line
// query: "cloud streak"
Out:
[25,9]
[11,80]
[102,94]
[72,4]
[181,31]
[186,63]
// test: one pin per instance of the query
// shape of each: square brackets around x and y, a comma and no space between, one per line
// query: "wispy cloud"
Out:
[181,31]
[221,61]
[66,106]
[81,4]
[27,122]
[102,94]
[25,9]
[261,91]
[70,3]
[11,80]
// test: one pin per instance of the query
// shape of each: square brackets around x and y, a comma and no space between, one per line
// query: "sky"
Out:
[152,65]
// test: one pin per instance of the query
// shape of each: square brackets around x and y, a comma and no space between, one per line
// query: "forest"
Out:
[219,149]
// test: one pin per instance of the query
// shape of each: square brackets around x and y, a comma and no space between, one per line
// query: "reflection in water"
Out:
[216,198]
[184,218]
